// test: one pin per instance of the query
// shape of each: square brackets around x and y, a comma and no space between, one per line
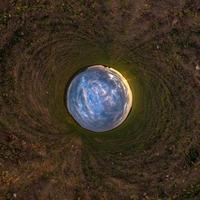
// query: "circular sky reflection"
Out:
[99,98]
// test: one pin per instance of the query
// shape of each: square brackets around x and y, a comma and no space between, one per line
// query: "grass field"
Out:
[154,155]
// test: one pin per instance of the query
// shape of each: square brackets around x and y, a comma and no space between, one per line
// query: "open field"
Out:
[154,155]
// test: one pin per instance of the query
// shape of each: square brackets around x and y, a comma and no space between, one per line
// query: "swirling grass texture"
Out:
[154,155]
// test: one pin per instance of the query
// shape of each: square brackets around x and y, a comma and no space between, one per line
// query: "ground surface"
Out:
[155,155]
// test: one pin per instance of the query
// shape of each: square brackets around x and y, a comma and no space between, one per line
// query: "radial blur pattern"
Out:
[99,98]
[45,151]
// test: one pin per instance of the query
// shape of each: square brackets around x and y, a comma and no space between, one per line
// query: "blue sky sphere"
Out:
[99,98]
